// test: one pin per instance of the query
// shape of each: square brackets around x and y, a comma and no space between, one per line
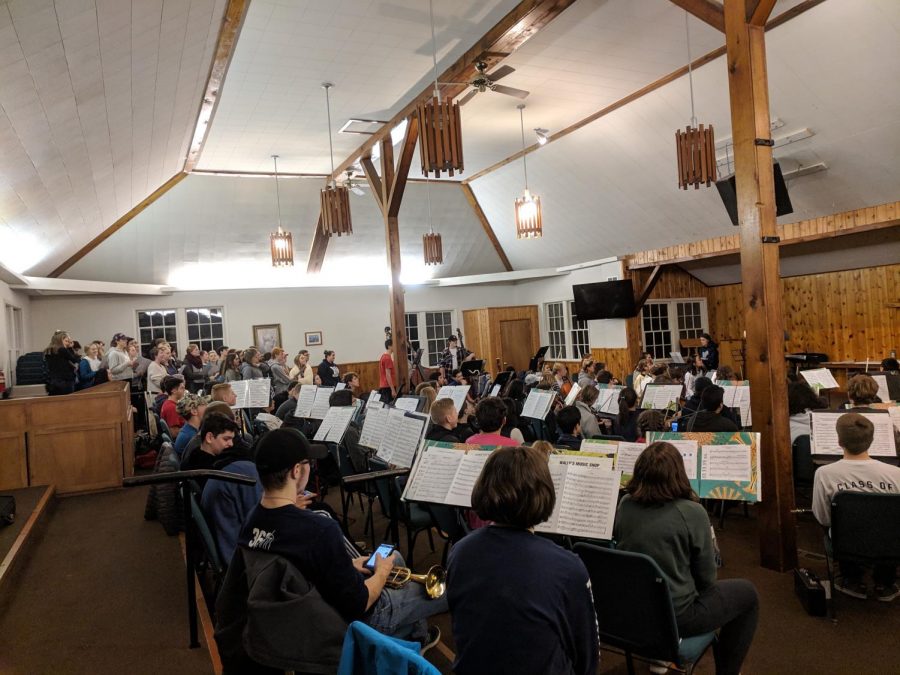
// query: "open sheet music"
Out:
[456,393]
[819,378]
[495,391]
[251,393]
[894,414]
[661,397]
[335,424]
[373,396]
[587,489]
[736,394]
[573,392]
[321,404]
[407,403]
[374,427]
[824,438]
[305,400]
[402,437]
[608,401]
[882,382]
[538,403]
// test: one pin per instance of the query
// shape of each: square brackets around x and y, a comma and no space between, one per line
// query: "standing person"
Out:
[212,365]
[168,412]
[250,369]
[509,615]
[858,472]
[140,368]
[302,371]
[156,371]
[387,374]
[709,352]
[280,378]
[88,366]
[121,366]
[193,371]
[329,374]
[61,363]
[231,367]
[453,356]
[661,517]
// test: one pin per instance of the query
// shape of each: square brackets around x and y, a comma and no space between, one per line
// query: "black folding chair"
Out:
[865,529]
[634,608]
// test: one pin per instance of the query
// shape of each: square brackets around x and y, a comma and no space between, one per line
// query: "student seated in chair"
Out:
[446,425]
[711,417]
[858,472]
[661,517]
[490,413]
[216,435]
[568,424]
[314,545]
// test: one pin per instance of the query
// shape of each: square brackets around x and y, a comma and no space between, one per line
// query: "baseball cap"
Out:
[120,336]
[189,401]
[281,449]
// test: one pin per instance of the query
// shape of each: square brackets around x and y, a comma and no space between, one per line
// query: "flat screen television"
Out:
[604,300]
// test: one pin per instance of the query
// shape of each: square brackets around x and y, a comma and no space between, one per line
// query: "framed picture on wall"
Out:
[313,339]
[266,337]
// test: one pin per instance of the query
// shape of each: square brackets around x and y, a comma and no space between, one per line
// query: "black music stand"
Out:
[503,378]
[534,364]
[469,368]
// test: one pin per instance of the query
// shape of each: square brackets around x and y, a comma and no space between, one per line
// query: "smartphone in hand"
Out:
[384,550]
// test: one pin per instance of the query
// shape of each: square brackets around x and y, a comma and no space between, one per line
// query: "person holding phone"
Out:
[315,545]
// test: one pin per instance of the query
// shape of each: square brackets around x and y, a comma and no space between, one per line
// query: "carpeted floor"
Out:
[103,592]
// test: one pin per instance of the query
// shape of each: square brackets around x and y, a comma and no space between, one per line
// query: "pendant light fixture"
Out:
[335,199]
[529,221]
[281,242]
[432,246]
[440,130]
[695,146]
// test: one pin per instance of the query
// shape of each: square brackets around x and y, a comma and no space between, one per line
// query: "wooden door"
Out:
[516,348]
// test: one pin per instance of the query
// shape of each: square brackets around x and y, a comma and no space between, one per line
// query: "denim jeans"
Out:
[402,612]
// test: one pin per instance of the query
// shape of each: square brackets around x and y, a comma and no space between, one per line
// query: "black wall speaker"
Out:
[728,193]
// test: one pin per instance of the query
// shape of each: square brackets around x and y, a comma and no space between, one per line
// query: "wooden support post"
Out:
[764,361]
[641,297]
[387,191]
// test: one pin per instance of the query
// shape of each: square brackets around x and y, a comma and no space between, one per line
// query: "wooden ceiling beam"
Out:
[225,46]
[641,297]
[486,225]
[392,206]
[316,250]
[758,11]
[119,224]
[374,181]
[708,11]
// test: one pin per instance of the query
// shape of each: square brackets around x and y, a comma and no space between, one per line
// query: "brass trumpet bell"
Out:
[434,580]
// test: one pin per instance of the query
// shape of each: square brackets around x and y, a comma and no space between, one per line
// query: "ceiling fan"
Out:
[355,188]
[484,82]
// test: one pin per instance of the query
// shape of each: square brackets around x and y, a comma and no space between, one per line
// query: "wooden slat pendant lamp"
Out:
[529,218]
[432,247]
[281,242]
[440,129]
[695,147]
[334,199]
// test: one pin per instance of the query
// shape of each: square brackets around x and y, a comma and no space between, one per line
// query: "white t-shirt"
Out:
[455,359]
[858,475]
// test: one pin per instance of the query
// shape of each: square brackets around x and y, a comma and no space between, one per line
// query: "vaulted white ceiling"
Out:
[213,232]
[98,100]
[97,104]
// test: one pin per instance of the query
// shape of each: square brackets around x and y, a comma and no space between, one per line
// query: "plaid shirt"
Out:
[447,358]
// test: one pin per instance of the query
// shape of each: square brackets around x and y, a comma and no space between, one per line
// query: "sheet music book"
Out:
[495,390]
[894,414]
[538,403]
[587,491]
[403,436]
[251,393]
[608,401]
[677,357]
[335,424]
[305,400]
[883,392]
[598,446]
[661,397]
[374,427]
[626,456]
[820,377]
[407,403]
[372,397]
[824,438]
[339,386]
[573,392]
[456,393]
[321,405]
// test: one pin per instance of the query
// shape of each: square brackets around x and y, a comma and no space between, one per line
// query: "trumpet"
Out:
[434,580]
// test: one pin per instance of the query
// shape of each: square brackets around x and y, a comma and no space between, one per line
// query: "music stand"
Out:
[502,378]
[539,356]
[469,368]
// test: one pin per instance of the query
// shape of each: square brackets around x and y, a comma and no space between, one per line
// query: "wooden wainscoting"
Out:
[367,371]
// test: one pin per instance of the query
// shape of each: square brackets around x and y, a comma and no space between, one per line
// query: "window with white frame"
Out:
[666,322]
[581,346]
[555,313]
[412,330]
[156,323]
[438,327]
[205,327]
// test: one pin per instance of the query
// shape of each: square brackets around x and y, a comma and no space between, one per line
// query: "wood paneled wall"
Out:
[846,315]
[483,331]
[367,371]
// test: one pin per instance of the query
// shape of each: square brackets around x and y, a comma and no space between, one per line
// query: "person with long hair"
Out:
[193,371]
[661,517]
[625,424]
[586,398]
[302,371]
[231,367]
[88,366]
[61,363]
[250,361]
[641,376]
[802,399]
[518,603]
